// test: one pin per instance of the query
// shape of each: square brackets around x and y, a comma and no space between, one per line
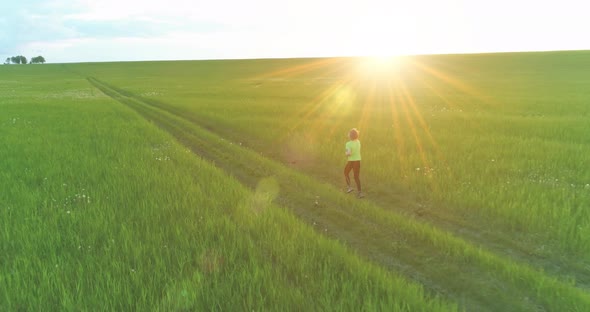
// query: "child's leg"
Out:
[347,170]
[357,172]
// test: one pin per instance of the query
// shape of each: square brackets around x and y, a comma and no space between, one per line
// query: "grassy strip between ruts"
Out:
[444,261]
[101,211]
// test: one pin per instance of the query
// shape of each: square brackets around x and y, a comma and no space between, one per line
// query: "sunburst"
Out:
[368,85]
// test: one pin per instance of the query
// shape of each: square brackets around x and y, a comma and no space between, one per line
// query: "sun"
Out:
[379,66]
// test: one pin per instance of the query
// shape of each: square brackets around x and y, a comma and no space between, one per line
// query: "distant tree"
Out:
[37,60]
[18,59]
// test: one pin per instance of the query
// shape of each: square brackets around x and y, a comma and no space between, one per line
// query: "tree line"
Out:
[19,59]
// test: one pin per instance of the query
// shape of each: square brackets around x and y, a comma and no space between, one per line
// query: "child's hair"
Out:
[353,134]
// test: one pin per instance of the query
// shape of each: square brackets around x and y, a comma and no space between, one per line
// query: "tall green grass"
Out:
[500,138]
[100,210]
[438,259]
[104,211]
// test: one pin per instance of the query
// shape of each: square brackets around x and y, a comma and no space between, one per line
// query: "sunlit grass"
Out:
[100,210]
[457,260]
[456,131]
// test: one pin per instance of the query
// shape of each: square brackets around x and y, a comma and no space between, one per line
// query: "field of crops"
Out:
[218,184]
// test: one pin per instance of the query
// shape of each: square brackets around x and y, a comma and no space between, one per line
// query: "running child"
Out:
[353,153]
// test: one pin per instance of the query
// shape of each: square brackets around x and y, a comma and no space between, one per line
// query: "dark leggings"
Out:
[355,166]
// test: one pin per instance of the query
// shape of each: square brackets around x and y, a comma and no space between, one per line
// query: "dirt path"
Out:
[444,263]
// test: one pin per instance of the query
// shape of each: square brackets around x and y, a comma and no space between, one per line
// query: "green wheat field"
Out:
[218,185]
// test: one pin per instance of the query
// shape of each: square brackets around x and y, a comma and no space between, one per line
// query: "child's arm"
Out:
[348,152]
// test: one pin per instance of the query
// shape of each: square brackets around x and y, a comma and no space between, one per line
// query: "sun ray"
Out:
[404,113]
[398,137]
[299,69]
[440,156]
[418,114]
[332,105]
[450,104]
[330,67]
[314,106]
[365,113]
[413,128]
[427,165]
[455,83]
[439,94]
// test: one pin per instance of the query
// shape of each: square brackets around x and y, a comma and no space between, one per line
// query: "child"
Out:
[353,153]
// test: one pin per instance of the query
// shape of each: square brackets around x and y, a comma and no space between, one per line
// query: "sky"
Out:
[65,31]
